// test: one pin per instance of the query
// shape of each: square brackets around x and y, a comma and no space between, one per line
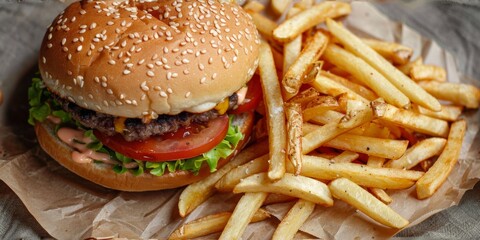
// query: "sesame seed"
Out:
[150,74]
[49,45]
[112,62]
[187,94]
[79,48]
[126,72]
[44,60]
[203,80]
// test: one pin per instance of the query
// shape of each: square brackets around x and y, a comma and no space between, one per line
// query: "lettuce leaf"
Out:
[42,105]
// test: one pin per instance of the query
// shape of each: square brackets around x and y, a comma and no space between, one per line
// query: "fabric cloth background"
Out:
[455,25]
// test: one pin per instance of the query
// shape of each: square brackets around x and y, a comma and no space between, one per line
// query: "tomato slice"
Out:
[252,98]
[185,143]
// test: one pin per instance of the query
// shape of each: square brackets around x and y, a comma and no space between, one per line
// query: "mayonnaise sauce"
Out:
[77,140]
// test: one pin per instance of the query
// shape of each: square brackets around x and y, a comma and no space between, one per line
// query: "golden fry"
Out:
[438,173]
[294,219]
[457,93]
[310,17]
[419,152]
[362,71]
[427,73]
[294,135]
[234,176]
[275,112]
[358,197]
[448,112]
[293,78]
[408,87]
[395,52]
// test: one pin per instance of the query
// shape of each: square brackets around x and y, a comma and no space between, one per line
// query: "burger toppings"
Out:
[134,129]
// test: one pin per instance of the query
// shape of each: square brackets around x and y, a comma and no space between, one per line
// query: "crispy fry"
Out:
[196,193]
[427,73]
[345,156]
[362,71]
[276,115]
[410,120]
[211,224]
[327,86]
[265,26]
[319,106]
[407,67]
[305,97]
[294,219]
[448,112]
[291,185]
[293,78]
[327,117]
[385,178]
[242,215]
[274,198]
[419,152]
[310,17]
[304,4]
[294,135]
[395,52]
[291,49]
[457,93]
[379,147]
[279,6]
[357,113]
[358,197]
[359,89]
[408,87]
[438,173]
[378,192]
[253,6]
[233,177]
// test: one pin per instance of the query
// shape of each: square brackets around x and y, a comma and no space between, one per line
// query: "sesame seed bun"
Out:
[135,58]
[103,174]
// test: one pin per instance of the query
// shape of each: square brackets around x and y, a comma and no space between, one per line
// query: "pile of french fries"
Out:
[348,119]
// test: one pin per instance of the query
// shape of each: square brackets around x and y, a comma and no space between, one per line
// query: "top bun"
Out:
[139,58]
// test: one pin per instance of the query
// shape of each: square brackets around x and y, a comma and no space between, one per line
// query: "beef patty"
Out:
[135,128]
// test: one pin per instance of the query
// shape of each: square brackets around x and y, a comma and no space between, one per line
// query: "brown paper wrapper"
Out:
[66,205]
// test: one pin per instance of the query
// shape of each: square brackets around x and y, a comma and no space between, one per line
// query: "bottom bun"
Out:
[103,174]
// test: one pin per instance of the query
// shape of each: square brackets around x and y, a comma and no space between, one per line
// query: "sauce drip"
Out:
[76,139]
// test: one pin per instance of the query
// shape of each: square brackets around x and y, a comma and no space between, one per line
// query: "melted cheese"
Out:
[119,124]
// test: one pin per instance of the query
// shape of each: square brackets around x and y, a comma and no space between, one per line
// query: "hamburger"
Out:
[146,95]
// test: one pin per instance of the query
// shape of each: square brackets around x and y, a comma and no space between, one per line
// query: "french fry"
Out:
[294,135]
[265,26]
[291,49]
[379,147]
[304,4]
[385,178]
[196,193]
[242,215]
[395,52]
[274,198]
[357,113]
[378,192]
[421,151]
[294,219]
[290,185]
[293,78]
[427,73]
[275,112]
[305,97]
[426,164]
[211,224]
[362,71]
[407,67]
[448,113]
[438,173]
[345,156]
[279,6]
[319,106]
[233,177]
[457,93]
[408,87]
[327,117]
[410,120]
[310,17]
[327,86]
[253,6]
[358,197]
[359,89]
